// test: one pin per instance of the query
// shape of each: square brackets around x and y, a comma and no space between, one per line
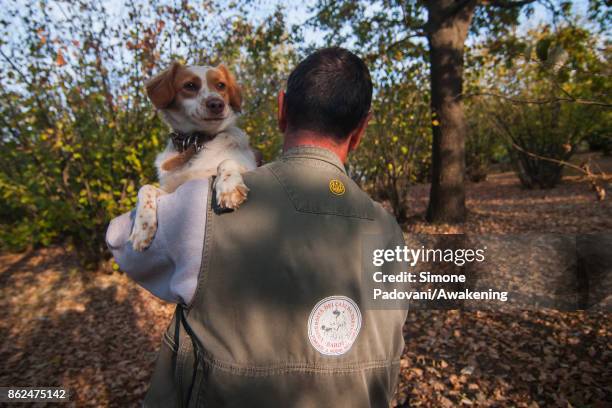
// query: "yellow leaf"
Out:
[435,122]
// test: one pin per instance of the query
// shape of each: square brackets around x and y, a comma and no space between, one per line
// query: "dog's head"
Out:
[196,98]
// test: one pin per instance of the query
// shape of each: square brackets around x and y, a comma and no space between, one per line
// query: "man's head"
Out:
[328,95]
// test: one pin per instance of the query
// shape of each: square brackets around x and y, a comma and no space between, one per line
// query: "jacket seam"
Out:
[307,211]
[287,192]
[243,369]
[361,217]
[336,166]
[254,372]
[169,342]
[313,152]
[202,274]
[182,359]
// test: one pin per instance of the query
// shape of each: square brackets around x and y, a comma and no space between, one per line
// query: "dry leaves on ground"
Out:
[530,359]
[95,333]
[98,333]
[501,206]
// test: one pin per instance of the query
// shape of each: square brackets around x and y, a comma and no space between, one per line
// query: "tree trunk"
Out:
[447,29]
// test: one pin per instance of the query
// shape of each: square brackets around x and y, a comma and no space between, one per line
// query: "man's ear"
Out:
[160,88]
[357,134]
[281,115]
[235,94]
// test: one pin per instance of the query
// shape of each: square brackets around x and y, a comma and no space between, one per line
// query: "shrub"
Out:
[601,140]
[78,136]
[546,115]
[536,132]
[396,150]
[482,144]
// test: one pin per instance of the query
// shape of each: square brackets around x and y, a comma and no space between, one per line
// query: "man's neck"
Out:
[310,138]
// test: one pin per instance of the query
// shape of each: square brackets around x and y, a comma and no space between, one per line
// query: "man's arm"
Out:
[169,268]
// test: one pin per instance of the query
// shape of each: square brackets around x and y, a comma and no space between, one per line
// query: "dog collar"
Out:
[183,141]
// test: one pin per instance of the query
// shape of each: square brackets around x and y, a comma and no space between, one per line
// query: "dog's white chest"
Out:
[231,144]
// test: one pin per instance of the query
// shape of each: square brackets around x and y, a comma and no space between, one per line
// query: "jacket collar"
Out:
[314,153]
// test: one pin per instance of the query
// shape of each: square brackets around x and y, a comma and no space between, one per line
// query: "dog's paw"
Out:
[145,221]
[231,190]
[142,235]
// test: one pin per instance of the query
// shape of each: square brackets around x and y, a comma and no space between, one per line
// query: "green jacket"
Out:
[279,317]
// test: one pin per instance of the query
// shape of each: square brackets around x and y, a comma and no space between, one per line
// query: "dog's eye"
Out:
[220,86]
[190,86]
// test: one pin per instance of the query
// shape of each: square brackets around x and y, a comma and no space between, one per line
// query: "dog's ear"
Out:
[235,94]
[160,88]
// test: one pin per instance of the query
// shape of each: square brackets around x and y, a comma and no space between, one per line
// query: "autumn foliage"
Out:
[78,136]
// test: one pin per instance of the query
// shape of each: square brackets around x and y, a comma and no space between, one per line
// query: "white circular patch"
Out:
[333,325]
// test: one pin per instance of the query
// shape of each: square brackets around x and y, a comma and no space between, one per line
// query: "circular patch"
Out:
[336,187]
[333,325]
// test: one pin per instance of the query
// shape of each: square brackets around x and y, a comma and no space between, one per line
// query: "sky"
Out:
[297,12]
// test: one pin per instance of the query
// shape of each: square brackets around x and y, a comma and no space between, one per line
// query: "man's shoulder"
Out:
[379,213]
[384,216]
[299,181]
[260,173]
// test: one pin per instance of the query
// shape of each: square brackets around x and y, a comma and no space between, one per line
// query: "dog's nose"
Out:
[215,105]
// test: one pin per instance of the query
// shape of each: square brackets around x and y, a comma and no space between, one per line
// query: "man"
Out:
[271,300]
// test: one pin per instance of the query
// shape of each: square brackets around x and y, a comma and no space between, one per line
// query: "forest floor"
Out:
[98,333]
[500,205]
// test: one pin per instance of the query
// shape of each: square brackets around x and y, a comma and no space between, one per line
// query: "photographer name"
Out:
[421,277]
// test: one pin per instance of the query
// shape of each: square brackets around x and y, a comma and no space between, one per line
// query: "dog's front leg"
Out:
[229,185]
[145,222]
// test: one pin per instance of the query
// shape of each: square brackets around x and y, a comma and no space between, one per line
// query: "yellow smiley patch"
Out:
[336,187]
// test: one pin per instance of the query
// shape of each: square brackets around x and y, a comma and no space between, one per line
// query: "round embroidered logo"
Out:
[333,325]
[336,187]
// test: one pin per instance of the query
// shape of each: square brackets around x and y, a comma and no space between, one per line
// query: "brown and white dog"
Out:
[200,104]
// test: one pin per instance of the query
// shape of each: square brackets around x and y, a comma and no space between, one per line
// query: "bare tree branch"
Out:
[417,28]
[542,101]
[507,4]
[595,180]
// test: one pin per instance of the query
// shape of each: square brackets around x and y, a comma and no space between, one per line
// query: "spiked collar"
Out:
[183,141]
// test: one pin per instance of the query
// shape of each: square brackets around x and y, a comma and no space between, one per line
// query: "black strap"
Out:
[198,349]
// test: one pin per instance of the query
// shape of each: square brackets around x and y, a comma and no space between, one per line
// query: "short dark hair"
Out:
[328,92]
